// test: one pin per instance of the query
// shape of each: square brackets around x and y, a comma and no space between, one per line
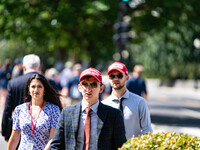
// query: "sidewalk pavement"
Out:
[181,90]
[193,131]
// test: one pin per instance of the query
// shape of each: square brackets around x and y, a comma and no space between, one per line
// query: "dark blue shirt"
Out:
[72,85]
[136,85]
[5,76]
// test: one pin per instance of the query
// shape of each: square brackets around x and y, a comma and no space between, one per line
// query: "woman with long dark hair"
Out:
[36,119]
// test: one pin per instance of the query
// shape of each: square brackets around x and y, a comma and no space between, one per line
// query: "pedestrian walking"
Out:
[70,91]
[15,91]
[66,74]
[136,84]
[34,121]
[17,68]
[5,76]
[89,125]
[134,108]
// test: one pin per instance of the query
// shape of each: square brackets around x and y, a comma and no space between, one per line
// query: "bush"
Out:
[162,141]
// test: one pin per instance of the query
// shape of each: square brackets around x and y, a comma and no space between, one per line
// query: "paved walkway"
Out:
[193,131]
[181,90]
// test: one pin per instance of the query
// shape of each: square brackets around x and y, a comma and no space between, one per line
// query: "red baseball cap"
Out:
[91,72]
[119,67]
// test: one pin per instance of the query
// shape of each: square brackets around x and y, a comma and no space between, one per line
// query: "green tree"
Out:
[163,40]
[66,28]
[162,32]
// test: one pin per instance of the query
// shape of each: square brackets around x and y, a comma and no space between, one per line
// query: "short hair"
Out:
[138,69]
[31,60]
[77,67]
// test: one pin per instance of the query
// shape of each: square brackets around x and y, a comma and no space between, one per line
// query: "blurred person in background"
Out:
[136,83]
[66,73]
[17,68]
[52,73]
[107,88]
[0,65]
[5,76]
[71,92]
[134,108]
[35,120]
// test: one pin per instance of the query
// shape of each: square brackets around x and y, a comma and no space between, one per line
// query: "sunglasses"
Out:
[119,76]
[92,84]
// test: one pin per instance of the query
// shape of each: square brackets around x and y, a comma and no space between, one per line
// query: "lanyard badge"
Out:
[33,126]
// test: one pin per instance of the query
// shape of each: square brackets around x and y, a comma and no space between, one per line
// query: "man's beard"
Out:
[119,87]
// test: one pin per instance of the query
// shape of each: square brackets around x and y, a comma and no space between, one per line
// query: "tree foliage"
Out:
[164,37]
[80,28]
[162,32]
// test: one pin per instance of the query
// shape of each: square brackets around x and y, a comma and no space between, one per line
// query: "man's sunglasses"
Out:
[119,76]
[92,84]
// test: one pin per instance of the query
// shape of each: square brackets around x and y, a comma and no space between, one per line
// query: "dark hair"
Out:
[50,94]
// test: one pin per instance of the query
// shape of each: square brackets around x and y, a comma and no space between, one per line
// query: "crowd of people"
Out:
[66,110]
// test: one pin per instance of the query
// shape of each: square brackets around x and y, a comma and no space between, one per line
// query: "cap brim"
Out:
[89,75]
[116,70]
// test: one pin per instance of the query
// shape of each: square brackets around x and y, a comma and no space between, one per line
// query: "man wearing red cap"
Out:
[133,107]
[89,125]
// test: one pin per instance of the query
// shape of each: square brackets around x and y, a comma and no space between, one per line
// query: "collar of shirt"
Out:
[31,70]
[125,96]
[94,107]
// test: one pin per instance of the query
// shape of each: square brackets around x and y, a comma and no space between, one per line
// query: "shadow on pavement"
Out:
[175,121]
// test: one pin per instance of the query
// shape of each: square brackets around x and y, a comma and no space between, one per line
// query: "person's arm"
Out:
[9,107]
[65,92]
[14,140]
[145,119]
[144,91]
[65,99]
[52,131]
[144,95]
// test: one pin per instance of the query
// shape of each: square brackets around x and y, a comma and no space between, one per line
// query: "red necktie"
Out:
[87,130]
